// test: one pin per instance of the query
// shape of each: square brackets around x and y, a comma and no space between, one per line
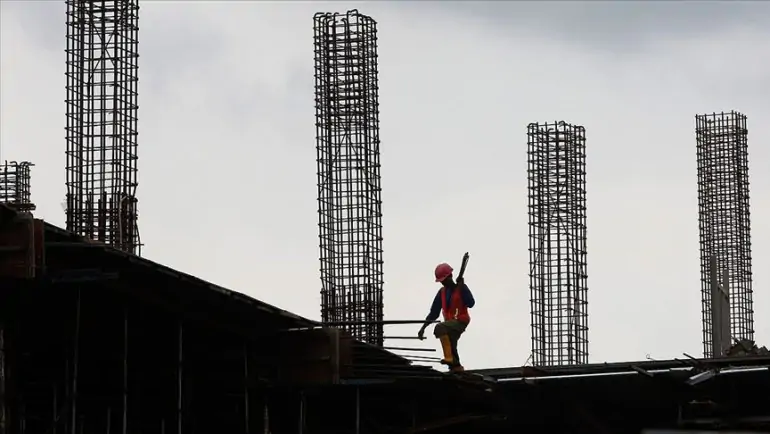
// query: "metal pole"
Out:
[716,327]
[55,409]
[109,420]
[124,422]
[76,349]
[179,368]
[301,413]
[358,410]
[3,420]
[246,387]
[724,312]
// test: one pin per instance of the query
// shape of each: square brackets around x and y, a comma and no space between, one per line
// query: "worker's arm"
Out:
[435,311]
[467,296]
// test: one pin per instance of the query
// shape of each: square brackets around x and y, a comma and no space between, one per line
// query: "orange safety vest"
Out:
[456,310]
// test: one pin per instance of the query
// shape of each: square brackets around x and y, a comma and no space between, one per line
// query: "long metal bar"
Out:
[610,368]
[382,322]
[427,350]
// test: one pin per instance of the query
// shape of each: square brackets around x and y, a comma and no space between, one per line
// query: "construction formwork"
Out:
[15,185]
[349,189]
[102,79]
[557,243]
[724,219]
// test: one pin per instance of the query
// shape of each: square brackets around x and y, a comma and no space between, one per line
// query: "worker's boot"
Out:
[446,346]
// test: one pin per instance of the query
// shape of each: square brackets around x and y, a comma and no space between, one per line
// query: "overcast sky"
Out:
[227,149]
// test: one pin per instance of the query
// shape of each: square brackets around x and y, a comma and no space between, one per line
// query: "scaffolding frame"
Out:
[102,80]
[724,219]
[16,186]
[557,243]
[349,187]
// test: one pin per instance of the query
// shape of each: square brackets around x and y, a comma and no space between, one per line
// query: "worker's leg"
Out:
[441,331]
[449,333]
[456,329]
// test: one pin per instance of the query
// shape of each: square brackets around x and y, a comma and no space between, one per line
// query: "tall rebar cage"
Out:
[557,243]
[15,185]
[724,218]
[348,157]
[102,79]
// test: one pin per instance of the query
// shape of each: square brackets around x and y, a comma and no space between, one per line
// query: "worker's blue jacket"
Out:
[435,309]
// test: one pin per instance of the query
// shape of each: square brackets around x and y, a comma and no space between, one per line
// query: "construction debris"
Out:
[746,347]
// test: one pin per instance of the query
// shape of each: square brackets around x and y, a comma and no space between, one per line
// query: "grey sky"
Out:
[227,149]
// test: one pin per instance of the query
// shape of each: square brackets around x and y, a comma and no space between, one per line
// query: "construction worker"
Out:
[453,300]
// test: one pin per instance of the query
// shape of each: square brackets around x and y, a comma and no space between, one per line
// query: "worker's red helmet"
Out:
[443,270]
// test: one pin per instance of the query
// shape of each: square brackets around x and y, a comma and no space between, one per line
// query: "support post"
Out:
[179,368]
[301,413]
[246,388]
[124,421]
[358,410]
[3,419]
[75,354]
[724,312]
[55,410]
[720,309]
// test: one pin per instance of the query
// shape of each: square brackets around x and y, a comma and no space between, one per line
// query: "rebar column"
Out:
[557,243]
[15,185]
[349,191]
[102,65]
[724,218]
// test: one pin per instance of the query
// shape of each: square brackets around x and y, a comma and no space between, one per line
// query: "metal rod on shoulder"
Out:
[383,322]
[427,350]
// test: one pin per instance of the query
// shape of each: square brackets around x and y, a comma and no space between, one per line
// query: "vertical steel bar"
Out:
[109,420]
[75,357]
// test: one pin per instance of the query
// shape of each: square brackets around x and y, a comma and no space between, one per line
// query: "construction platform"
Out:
[94,340]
